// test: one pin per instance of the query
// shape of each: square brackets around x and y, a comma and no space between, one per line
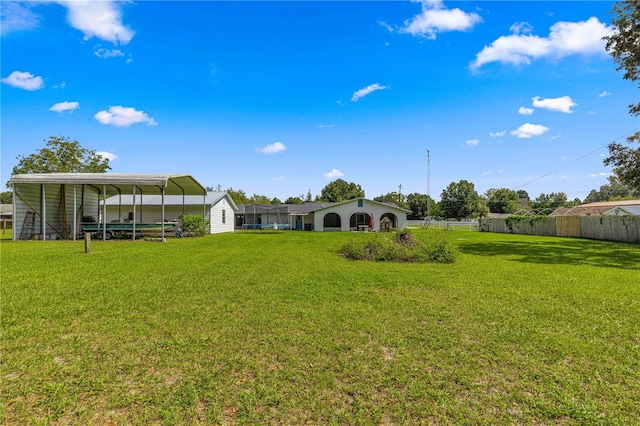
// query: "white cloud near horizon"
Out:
[120,116]
[528,130]
[497,134]
[334,173]
[525,111]
[65,106]
[604,94]
[24,80]
[472,142]
[564,39]
[436,18]
[100,19]
[358,94]
[108,155]
[272,148]
[562,104]
[15,16]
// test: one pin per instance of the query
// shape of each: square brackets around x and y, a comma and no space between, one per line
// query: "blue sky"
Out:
[279,98]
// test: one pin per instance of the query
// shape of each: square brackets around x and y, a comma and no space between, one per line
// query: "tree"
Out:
[340,190]
[61,155]
[613,191]
[623,46]
[238,196]
[417,203]
[6,197]
[259,199]
[294,200]
[460,200]
[393,197]
[549,202]
[275,200]
[501,200]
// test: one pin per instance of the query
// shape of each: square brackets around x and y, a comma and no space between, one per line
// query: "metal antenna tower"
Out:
[428,184]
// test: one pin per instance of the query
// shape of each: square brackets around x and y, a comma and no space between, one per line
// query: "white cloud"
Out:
[325,126]
[604,93]
[563,104]
[497,134]
[103,53]
[436,18]
[108,155]
[120,116]
[24,80]
[386,26]
[101,19]
[60,86]
[17,16]
[472,142]
[528,130]
[521,28]
[565,39]
[601,174]
[525,111]
[65,106]
[334,173]
[366,90]
[272,148]
[591,112]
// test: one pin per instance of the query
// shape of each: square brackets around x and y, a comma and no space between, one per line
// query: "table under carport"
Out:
[55,205]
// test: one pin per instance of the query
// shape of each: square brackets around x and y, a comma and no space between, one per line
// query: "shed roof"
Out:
[119,183]
[212,198]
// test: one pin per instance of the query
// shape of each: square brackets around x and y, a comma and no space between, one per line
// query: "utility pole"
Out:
[428,184]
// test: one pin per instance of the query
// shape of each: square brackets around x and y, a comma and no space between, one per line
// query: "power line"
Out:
[577,159]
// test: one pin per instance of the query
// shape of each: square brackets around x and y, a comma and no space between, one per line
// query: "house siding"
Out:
[346,210]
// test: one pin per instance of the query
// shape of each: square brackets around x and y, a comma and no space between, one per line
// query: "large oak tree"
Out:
[623,45]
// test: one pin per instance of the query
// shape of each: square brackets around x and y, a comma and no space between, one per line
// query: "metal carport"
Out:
[47,196]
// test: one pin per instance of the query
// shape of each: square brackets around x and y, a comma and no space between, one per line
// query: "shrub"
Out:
[401,247]
[193,224]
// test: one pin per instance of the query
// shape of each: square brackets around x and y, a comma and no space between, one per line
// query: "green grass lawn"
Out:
[276,328]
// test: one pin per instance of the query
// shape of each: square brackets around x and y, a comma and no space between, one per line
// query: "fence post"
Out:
[87,242]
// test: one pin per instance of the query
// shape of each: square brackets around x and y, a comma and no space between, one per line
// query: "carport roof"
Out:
[119,183]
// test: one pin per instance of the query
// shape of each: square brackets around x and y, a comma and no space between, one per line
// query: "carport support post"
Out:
[163,213]
[43,209]
[104,212]
[75,219]
[134,213]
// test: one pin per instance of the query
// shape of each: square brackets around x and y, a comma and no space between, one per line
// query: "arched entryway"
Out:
[359,221]
[332,222]
[389,219]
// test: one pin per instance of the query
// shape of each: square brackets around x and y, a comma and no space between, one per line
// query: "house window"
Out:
[360,203]
[224,217]
[331,220]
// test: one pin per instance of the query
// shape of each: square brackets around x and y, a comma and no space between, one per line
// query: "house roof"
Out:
[212,198]
[119,183]
[307,208]
[389,205]
[612,204]
[598,208]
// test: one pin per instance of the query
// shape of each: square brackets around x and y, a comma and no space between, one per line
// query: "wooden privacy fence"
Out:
[624,229]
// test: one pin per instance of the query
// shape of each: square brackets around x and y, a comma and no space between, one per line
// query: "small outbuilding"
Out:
[52,206]
[360,214]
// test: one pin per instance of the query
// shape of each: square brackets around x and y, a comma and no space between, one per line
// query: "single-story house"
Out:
[598,208]
[352,215]
[55,205]
[217,208]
